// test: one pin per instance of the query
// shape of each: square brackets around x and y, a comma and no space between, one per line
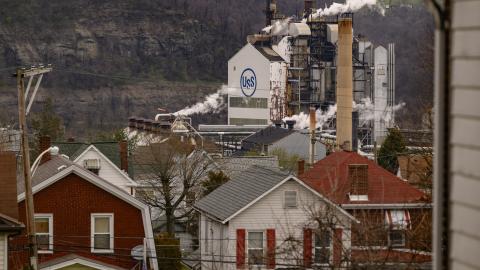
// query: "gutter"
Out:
[387,206]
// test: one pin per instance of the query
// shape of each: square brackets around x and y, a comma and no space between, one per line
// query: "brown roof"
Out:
[416,168]
[329,177]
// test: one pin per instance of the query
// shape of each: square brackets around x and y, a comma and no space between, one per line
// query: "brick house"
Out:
[266,219]
[83,220]
[395,217]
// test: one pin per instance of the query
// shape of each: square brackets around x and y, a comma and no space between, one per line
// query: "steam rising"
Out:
[349,6]
[278,28]
[366,110]
[212,103]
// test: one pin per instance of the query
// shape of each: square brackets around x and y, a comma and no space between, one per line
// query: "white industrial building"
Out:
[256,82]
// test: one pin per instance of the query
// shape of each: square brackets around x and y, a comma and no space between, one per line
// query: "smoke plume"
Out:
[212,103]
[366,112]
[278,28]
[349,6]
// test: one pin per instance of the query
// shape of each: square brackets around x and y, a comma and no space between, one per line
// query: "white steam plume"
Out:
[212,103]
[349,6]
[279,27]
[366,110]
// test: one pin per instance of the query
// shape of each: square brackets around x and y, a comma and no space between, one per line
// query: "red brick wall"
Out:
[71,200]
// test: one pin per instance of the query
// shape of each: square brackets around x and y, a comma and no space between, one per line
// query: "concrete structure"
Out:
[344,84]
[457,144]
[256,82]
[271,223]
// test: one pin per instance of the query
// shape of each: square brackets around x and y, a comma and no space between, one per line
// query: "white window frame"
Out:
[50,232]
[404,232]
[285,199]
[92,232]
[248,248]
[330,248]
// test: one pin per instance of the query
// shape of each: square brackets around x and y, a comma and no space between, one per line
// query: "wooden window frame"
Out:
[93,216]
[49,216]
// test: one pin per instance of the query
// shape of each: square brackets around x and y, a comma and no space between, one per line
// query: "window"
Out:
[102,233]
[290,199]
[255,248]
[44,232]
[92,165]
[396,238]
[248,102]
[322,246]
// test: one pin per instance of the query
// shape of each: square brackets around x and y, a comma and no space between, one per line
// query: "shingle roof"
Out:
[238,164]
[329,177]
[241,190]
[9,224]
[268,135]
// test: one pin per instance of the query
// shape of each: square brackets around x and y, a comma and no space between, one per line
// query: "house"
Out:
[109,160]
[267,219]
[9,224]
[293,142]
[395,217]
[83,220]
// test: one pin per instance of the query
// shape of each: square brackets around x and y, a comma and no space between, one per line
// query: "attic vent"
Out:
[92,165]
[358,177]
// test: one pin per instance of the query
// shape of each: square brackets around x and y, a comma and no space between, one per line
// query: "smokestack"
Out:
[123,155]
[301,167]
[344,83]
[270,11]
[313,126]
[44,143]
[307,7]
[8,183]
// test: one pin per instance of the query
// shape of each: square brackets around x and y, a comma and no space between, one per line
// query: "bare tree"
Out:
[171,173]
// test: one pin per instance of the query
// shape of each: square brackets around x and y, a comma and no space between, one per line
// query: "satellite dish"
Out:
[137,253]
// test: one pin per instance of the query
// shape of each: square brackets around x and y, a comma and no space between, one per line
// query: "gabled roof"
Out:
[74,259]
[329,177]
[8,224]
[234,165]
[239,193]
[268,135]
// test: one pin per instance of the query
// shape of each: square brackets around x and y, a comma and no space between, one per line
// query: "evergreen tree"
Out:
[215,179]
[47,122]
[393,146]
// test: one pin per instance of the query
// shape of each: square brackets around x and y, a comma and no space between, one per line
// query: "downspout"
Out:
[441,165]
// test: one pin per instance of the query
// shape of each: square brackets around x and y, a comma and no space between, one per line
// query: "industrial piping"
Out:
[344,83]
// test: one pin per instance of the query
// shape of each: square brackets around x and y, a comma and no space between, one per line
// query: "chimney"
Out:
[290,124]
[148,125]
[123,155]
[307,5]
[140,125]
[278,124]
[71,139]
[8,184]
[344,82]
[358,177]
[301,167]
[313,126]
[44,144]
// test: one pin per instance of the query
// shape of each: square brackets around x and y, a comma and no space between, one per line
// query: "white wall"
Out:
[380,93]
[464,141]
[107,171]
[268,213]
[3,252]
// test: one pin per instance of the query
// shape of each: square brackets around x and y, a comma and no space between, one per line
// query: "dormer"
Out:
[358,178]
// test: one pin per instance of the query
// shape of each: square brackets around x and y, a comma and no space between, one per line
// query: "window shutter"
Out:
[307,247]
[240,248]
[337,247]
[271,248]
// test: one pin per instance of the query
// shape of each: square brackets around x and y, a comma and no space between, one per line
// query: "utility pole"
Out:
[22,121]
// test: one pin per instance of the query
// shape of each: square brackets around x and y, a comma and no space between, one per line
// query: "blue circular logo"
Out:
[248,82]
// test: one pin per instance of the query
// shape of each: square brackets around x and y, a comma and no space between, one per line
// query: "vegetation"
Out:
[286,161]
[168,252]
[215,179]
[393,146]
[47,122]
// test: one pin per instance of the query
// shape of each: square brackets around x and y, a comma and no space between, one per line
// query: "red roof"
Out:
[329,177]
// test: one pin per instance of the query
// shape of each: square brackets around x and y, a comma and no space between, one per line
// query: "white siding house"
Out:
[265,219]
[106,169]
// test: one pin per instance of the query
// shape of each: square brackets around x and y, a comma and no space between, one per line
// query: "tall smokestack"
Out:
[313,126]
[344,83]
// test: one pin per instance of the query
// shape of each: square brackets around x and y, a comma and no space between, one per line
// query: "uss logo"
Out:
[248,82]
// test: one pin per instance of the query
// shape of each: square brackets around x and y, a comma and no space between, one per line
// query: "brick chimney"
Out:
[44,144]
[358,177]
[301,167]
[8,184]
[123,155]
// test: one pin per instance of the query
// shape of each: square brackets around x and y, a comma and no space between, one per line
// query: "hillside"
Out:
[113,59]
